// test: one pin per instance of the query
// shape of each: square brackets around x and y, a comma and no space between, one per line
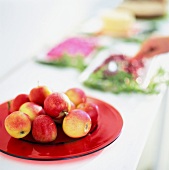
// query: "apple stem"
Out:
[66,113]
[9,105]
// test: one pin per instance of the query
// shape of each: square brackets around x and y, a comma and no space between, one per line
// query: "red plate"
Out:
[109,127]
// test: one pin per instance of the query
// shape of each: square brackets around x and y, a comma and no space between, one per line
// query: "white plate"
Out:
[145,74]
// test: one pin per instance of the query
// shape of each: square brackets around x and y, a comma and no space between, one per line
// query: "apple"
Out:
[39,94]
[56,104]
[44,129]
[72,105]
[77,123]
[32,109]
[92,110]
[18,101]
[17,124]
[76,95]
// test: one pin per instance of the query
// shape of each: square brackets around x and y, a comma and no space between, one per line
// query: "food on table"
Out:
[18,101]
[17,124]
[76,95]
[44,129]
[76,117]
[32,110]
[145,9]
[38,94]
[92,110]
[77,123]
[74,46]
[116,74]
[56,104]
[118,23]
[73,52]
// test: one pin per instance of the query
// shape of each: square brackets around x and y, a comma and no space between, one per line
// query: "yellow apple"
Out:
[17,124]
[76,95]
[77,123]
[93,111]
[32,109]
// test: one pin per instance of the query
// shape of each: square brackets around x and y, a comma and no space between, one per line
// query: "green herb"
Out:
[66,61]
[124,82]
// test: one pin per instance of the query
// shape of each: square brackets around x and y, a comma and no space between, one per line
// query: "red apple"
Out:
[32,109]
[76,95]
[77,123]
[17,124]
[56,104]
[92,110]
[44,129]
[18,101]
[61,116]
[39,94]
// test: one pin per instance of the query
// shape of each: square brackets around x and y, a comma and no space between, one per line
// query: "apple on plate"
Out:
[17,124]
[56,104]
[44,129]
[18,101]
[93,111]
[32,109]
[76,95]
[77,123]
[59,119]
[38,94]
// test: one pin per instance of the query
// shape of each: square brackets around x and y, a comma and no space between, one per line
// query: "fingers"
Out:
[152,47]
[141,55]
[138,56]
[147,50]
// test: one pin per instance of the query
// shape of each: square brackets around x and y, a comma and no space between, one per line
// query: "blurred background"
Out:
[27,26]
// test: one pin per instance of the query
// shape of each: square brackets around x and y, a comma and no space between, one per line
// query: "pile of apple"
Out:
[40,111]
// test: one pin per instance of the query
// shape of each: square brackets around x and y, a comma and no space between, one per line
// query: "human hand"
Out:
[153,46]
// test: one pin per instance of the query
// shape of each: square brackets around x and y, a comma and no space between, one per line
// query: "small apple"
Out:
[77,123]
[17,124]
[76,95]
[44,129]
[39,94]
[18,101]
[56,104]
[92,110]
[32,109]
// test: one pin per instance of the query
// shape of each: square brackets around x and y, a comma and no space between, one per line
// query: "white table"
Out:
[138,112]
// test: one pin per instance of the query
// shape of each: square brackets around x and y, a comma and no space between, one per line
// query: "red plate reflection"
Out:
[109,127]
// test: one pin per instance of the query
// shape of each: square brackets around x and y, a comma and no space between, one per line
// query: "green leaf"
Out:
[66,61]
[124,82]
